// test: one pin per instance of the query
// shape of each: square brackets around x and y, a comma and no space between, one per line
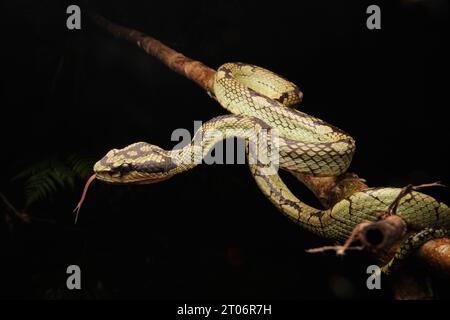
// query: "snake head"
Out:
[138,163]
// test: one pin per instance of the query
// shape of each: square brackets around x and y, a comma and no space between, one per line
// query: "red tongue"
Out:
[83,196]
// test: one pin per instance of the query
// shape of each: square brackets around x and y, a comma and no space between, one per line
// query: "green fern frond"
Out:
[81,164]
[39,186]
[34,168]
[47,177]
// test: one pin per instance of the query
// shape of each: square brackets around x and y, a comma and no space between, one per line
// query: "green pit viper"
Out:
[261,101]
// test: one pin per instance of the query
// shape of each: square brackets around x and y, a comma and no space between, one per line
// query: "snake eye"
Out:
[125,167]
[119,168]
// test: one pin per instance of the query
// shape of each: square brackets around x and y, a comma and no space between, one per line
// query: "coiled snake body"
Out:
[261,101]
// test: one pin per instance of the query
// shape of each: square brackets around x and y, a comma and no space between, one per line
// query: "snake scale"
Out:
[261,101]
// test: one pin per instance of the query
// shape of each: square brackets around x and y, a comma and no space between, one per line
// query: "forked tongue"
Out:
[83,196]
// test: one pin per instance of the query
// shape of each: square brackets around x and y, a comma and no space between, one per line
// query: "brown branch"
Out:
[21,216]
[381,237]
[191,69]
[10,208]
[329,190]
[435,254]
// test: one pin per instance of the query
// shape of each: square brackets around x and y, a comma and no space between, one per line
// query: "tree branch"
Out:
[10,208]
[191,69]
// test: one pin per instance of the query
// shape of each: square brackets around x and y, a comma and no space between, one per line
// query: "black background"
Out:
[208,233]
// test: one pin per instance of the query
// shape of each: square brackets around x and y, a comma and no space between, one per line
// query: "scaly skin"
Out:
[261,102]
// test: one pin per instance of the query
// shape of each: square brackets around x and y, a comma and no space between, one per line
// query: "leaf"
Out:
[49,176]
[81,164]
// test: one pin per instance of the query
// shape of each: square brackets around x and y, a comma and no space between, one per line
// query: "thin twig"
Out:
[392,209]
[16,212]
[340,250]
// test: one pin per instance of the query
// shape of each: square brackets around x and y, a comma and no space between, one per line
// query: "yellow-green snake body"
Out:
[261,101]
